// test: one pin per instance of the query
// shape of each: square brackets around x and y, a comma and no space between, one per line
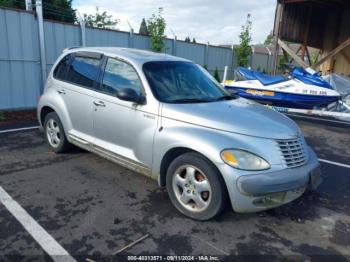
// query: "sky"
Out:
[213,21]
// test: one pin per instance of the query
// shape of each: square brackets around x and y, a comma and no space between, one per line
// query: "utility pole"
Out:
[39,12]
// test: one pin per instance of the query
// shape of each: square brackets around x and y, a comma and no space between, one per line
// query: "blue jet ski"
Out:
[303,88]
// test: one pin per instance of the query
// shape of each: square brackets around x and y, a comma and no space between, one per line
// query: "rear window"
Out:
[83,71]
[61,69]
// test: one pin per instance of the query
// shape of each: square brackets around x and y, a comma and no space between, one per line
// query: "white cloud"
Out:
[218,22]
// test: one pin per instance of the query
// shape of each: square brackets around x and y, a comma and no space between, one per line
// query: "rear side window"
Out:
[83,71]
[119,75]
[60,71]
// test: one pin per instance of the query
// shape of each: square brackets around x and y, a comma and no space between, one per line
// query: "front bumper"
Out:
[257,192]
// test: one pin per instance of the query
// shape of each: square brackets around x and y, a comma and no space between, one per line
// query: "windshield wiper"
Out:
[189,100]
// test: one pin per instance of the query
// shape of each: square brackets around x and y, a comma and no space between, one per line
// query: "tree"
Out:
[100,20]
[269,39]
[143,28]
[244,49]
[13,4]
[217,75]
[58,10]
[187,39]
[194,40]
[156,28]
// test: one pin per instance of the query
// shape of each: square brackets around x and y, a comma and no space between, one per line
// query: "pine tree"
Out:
[187,39]
[269,39]
[194,40]
[217,75]
[143,28]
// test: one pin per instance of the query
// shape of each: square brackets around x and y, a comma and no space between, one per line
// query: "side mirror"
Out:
[129,94]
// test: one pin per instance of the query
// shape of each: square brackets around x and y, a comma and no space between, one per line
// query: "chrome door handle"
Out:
[99,103]
[61,91]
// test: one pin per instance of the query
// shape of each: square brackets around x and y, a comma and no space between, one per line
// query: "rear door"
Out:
[76,87]
[122,128]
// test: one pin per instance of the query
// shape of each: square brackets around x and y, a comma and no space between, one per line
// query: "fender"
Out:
[206,141]
[53,100]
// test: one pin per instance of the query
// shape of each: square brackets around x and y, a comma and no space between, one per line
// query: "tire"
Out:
[55,134]
[195,186]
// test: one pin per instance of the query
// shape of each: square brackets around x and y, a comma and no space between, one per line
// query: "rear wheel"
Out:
[54,134]
[195,186]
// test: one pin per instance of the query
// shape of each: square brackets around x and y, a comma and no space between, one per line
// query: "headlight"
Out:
[243,160]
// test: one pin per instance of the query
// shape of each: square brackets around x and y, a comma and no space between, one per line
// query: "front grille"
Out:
[293,152]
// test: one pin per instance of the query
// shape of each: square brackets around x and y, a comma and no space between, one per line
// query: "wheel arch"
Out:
[175,152]
[45,110]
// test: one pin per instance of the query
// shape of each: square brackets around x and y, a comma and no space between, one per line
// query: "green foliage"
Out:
[205,67]
[2,116]
[217,75]
[143,28]
[13,4]
[156,28]
[245,38]
[194,40]
[188,39]
[100,20]
[58,10]
[269,39]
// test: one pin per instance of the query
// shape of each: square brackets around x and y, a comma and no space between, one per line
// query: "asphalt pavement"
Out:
[92,208]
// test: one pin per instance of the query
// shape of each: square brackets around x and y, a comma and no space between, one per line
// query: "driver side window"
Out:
[119,75]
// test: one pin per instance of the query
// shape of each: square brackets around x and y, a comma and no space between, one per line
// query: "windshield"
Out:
[182,82]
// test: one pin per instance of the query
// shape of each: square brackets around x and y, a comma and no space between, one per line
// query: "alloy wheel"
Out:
[192,188]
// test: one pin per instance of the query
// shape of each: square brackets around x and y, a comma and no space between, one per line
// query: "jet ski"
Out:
[302,88]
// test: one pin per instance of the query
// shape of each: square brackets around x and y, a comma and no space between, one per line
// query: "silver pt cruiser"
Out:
[167,118]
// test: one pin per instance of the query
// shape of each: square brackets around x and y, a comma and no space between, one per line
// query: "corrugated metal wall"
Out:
[20,71]
[262,62]
[19,60]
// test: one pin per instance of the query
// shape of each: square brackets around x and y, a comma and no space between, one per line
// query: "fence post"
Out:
[131,38]
[252,57]
[39,12]
[29,6]
[268,60]
[206,56]
[233,62]
[83,32]
[174,45]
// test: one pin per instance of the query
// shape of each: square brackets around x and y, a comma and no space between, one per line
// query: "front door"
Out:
[123,129]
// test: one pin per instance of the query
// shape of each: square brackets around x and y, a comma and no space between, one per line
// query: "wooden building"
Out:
[321,24]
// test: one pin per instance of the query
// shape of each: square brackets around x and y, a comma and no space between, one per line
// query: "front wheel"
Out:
[195,186]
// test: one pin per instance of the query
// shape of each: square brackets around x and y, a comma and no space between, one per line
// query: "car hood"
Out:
[237,116]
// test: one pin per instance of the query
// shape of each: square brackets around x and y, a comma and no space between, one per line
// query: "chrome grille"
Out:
[293,152]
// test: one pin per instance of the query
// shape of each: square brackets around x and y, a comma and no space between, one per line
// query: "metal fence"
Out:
[20,66]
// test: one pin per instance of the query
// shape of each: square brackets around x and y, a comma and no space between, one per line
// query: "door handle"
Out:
[61,91]
[99,103]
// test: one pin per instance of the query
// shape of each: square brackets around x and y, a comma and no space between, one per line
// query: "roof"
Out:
[310,21]
[136,56]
